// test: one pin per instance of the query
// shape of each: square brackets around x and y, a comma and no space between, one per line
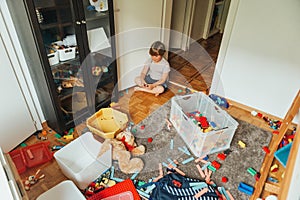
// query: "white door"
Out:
[181,24]
[16,121]
[138,24]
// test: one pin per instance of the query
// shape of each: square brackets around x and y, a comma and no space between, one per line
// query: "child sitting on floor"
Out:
[155,74]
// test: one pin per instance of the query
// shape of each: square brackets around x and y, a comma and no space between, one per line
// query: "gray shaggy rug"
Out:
[234,167]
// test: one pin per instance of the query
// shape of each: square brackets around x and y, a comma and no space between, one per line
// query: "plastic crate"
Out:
[283,153]
[17,158]
[107,122]
[122,196]
[201,143]
[53,58]
[118,191]
[40,152]
[79,160]
[31,156]
[62,191]
[66,53]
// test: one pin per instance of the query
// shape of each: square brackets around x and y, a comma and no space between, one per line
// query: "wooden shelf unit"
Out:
[281,189]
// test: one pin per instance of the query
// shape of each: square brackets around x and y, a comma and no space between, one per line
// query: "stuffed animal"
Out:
[122,154]
[129,141]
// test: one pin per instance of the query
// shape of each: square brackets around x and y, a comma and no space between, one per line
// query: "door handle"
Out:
[78,22]
[83,21]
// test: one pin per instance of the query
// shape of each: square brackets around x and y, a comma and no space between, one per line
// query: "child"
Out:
[155,74]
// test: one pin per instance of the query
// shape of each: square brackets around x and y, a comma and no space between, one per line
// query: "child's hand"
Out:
[145,85]
[151,86]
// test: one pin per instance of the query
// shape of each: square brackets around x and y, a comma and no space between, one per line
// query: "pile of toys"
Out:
[200,120]
[274,124]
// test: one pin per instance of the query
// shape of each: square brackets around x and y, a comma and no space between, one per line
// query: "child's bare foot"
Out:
[137,89]
[157,94]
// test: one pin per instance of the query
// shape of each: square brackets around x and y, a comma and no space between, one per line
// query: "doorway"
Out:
[197,32]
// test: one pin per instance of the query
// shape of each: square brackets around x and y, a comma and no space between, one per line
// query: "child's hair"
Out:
[157,48]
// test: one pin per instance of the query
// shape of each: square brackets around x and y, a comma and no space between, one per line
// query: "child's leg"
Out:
[157,90]
[138,81]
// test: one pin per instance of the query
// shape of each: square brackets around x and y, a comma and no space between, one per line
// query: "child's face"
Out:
[156,58]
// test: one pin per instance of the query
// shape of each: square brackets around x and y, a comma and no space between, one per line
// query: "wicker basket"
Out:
[107,122]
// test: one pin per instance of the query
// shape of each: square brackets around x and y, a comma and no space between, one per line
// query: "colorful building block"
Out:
[221,156]
[216,164]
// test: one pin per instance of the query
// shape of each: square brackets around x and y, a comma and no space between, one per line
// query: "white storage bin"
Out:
[67,53]
[53,58]
[79,162]
[63,191]
[201,143]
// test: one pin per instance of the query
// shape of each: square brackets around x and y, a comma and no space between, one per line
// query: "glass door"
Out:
[100,55]
[58,31]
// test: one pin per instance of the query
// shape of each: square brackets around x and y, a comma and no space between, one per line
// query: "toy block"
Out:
[172,144]
[165,164]
[205,165]
[200,171]
[274,180]
[266,149]
[134,175]
[257,176]
[274,168]
[142,193]
[187,160]
[275,132]
[216,164]
[224,179]
[254,113]
[221,156]
[172,162]
[205,158]
[242,144]
[112,172]
[212,168]
[227,152]
[223,192]
[199,194]
[229,195]
[251,171]
[245,188]
[150,140]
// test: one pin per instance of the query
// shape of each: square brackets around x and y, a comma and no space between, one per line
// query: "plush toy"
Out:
[129,141]
[122,153]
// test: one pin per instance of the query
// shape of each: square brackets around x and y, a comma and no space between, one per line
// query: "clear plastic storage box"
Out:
[79,160]
[202,143]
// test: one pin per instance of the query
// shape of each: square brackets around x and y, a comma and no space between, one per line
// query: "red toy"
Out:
[216,164]
[224,179]
[221,156]
[203,122]
[266,149]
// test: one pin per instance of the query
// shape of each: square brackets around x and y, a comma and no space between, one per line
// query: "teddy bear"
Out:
[123,147]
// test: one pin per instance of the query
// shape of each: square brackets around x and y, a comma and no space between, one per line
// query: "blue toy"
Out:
[219,100]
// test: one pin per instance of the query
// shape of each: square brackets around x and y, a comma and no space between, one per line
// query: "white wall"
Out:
[260,64]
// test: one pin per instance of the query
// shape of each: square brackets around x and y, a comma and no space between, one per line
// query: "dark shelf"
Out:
[94,15]
[54,25]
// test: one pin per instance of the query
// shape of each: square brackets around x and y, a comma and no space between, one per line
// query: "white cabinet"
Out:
[19,117]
